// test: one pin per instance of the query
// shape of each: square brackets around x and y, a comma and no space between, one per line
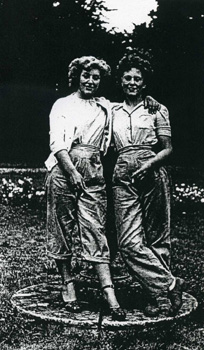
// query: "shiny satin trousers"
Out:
[83,215]
[142,212]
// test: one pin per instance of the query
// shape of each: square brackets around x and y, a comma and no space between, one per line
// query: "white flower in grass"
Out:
[10,195]
[4,181]
[202,200]
[30,196]
[28,179]
[38,193]
[21,182]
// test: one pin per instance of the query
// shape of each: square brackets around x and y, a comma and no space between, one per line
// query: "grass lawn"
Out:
[23,262]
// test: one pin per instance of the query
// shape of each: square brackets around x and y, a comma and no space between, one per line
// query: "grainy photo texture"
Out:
[101,174]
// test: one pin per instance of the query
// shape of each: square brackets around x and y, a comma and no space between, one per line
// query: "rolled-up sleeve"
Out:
[163,127]
[58,130]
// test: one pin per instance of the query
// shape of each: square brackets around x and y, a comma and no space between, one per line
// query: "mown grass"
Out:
[23,262]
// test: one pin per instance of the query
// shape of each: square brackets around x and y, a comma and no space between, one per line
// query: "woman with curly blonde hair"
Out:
[80,131]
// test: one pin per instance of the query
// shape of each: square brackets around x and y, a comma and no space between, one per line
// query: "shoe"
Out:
[117,313]
[152,308]
[175,296]
[70,305]
[73,306]
[164,306]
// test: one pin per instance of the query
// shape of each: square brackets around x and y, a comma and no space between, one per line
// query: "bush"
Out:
[29,191]
[185,195]
[21,192]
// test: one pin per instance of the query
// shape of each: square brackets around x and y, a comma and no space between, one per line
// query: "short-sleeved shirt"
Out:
[139,127]
[78,121]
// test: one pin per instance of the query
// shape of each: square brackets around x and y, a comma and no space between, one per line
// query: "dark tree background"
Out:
[38,40]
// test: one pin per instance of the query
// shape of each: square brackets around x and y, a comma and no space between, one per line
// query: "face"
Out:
[89,82]
[132,82]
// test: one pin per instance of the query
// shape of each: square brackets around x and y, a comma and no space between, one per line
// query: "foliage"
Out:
[24,191]
[21,192]
[188,195]
[56,32]
[39,38]
[176,37]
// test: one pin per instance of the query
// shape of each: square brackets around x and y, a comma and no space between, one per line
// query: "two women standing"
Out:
[80,130]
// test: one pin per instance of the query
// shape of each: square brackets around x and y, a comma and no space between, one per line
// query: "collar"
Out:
[104,103]
[126,109]
[123,105]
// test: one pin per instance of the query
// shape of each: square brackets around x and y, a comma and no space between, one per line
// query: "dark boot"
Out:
[152,308]
[117,313]
[175,296]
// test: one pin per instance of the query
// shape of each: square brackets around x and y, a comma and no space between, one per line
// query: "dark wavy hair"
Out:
[138,59]
[86,62]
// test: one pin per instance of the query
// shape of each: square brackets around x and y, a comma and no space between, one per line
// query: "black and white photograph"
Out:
[101,174]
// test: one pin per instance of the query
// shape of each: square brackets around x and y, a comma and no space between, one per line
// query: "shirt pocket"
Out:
[145,121]
[144,130]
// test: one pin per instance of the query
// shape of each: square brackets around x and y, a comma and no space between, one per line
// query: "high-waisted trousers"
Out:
[142,212]
[83,215]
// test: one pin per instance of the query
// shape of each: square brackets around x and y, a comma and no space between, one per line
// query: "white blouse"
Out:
[75,121]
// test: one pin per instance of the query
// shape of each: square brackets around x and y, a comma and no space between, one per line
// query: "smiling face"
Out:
[89,82]
[132,83]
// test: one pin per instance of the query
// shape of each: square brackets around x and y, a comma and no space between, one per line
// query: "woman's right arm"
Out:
[65,161]
[60,143]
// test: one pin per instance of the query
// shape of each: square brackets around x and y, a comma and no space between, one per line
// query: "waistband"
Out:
[83,146]
[127,149]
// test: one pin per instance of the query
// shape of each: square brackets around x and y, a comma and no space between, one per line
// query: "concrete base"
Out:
[43,302]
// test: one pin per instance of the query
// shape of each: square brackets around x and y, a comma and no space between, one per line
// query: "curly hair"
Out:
[86,62]
[138,59]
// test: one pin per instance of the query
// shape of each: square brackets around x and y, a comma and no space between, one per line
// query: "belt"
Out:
[134,148]
[85,146]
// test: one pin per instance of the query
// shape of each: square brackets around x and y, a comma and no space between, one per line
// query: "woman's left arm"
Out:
[151,104]
[159,159]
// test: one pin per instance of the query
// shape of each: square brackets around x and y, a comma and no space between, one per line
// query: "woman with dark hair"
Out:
[80,131]
[141,186]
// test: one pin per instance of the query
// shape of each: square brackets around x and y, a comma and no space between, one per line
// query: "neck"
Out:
[133,101]
[82,96]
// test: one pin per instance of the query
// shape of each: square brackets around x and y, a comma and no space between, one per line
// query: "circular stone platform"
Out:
[43,302]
